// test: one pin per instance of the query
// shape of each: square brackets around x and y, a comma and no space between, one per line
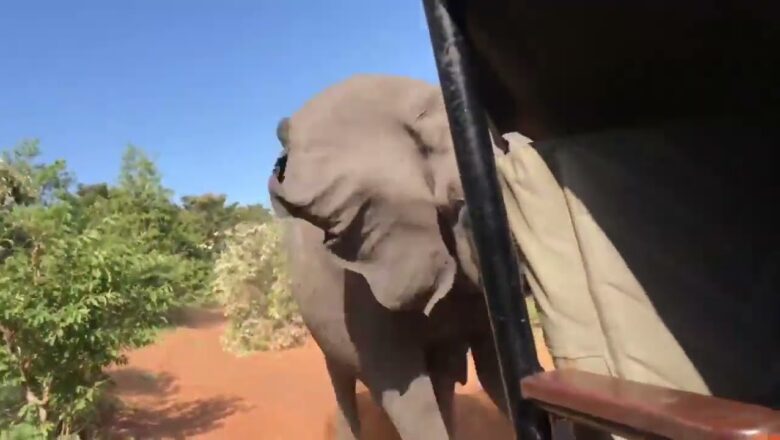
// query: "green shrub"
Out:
[70,302]
[252,283]
[22,431]
[90,273]
[78,286]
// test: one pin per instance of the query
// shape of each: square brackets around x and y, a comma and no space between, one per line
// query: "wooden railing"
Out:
[633,409]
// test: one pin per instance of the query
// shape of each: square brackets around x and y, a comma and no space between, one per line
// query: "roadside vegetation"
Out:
[90,270]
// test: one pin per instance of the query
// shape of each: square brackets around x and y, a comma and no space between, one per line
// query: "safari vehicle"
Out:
[576,73]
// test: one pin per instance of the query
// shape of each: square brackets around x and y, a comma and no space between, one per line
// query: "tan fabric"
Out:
[540,222]
[627,256]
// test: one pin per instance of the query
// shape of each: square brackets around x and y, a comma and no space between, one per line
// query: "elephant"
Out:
[380,258]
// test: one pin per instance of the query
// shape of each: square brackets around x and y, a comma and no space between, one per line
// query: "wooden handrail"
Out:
[635,409]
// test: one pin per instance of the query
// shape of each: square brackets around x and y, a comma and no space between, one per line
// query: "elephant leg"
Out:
[399,382]
[347,418]
[444,389]
[447,365]
[486,363]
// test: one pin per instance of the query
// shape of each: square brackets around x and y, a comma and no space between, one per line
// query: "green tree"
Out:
[70,301]
[28,180]
[139,175]
[75,291]
[90,194]
[205,217]
[210,215]
[155,222]
[255,213]
[88,271]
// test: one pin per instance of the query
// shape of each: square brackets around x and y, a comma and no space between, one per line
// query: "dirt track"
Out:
[187,386]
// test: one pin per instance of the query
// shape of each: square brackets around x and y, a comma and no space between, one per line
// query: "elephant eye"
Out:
[280,166]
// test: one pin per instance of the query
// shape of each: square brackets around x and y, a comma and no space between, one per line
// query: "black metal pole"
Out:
[512,333]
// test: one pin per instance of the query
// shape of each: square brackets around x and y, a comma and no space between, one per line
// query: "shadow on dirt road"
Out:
[187,386]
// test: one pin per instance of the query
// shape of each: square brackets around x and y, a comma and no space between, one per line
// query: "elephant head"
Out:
[370,161]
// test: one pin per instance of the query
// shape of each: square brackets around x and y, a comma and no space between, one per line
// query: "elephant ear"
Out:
[363,177]
[399,251]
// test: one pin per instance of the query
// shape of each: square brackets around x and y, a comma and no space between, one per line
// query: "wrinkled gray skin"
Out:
[381,267]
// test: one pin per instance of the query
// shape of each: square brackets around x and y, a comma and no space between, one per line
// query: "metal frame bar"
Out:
[512,334]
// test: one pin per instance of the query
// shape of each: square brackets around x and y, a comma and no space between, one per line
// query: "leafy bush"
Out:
[78,285]
[253,285]
[87,274]
[70,301]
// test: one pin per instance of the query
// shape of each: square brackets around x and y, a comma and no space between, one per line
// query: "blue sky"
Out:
[199,84]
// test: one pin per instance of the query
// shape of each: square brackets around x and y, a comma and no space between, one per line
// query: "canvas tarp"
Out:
[639,264]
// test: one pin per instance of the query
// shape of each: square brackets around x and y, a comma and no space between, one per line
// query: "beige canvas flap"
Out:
[638,254]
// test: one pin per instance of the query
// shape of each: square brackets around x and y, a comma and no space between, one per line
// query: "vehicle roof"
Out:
[553,68]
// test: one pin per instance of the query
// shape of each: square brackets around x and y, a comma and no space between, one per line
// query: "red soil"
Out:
[187,386]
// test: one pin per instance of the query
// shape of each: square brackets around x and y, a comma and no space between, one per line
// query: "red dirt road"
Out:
[187,386]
